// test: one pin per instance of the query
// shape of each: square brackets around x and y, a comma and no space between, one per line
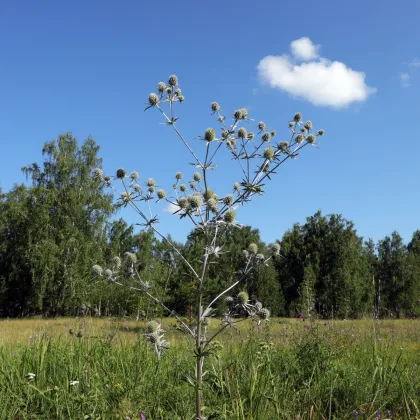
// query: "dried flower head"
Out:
[243,298]
[183,202]
[253,248]
[311,138]
[210,134]
[230,216]
[266,137]
[275,249]
[215,107]
[195,201]
[98,173]
[178,175]
[161,87]
[242,133]
[262,126]
[238,115]
[150,182]
[153,99]
[321,132]
[308,125]
[228,200]
[197,176]
[173,80]
[130,258]
[134,175]
[161,194]
[97,270]
[297,117]
[269,153]
[116,262]
[120,173]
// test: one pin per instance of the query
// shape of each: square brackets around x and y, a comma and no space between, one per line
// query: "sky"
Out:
[352,68]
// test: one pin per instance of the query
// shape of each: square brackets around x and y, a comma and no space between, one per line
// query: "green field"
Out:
[293,369]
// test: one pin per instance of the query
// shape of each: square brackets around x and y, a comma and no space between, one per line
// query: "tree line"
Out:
[55,228]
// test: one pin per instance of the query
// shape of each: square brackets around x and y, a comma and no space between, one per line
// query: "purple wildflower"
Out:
[306,326]
[388,413]
[142,415]
[378,415]
[356,413]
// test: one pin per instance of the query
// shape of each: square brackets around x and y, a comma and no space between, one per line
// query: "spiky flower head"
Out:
[269,153]
[193,186]
[161,87]
[262,126]
[107,178]
[108,273]
[153,99]
[260,257]
[134,175]
[242,133]
[178,175]
[245,254]
[229,299]
[275,248]
[153,327]
[244,113]
[308,125]
[258,306]
[195,201]
[321,132]
[168,90]
[183,202]
[243,298]
[120,173]
[212,205]
[178,92]
[297,117]
[130,258]
[283,145]
[210,134]
[253,248]
[98,173]
[229,216]
[197,176]
[264,313]
[238,114]
[173,80]
[291,124]
[208,194]
[116,262]
[266,137]
[137,188]
[161,194]
[151,190]
[250,136]
[273,133]
[303,130]
[215,107]
[183,187]
[150,182]
[299,138]
[181,98]
[236,186]
[97,270]
[125,197]
[311,138]
[228,200]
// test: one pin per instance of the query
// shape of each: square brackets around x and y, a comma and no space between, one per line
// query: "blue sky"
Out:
[88,67]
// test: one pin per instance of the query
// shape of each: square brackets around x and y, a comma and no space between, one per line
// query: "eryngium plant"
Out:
[258,156]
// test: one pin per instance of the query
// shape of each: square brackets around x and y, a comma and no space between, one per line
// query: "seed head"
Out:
[153,99]
[195,201]
[269,153]
[242,133]
[283,145]
[253,248]
[178,175]
[151,190]
[238,114]
[308,125]
[210,134]
[121,173]
[197,176]
[275,249]
[137,188]
[228,200]
[243,298]
[97,270]
[230,216]
[116,262]
[262,126]
[161,194]
[97,173]
[183,202]
[297,117]
[311,138]
[134,175]
[151,182]
[266,137]
[178,92]
[161,87]
[208,194]
[108,273]
[173,80]
[321,132]
[273,133]
[215,107]
[299,138]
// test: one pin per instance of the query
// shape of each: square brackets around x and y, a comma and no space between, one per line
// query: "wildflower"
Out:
[137,188]
[97,173]
[108,274]
[269,153]
[356,413]
[273,133]
[308,125]
[151,182]
[178,92]
[134,175]
[245,253]
[208,194]
[161,87]
[243,298]
[79,334]
[142,415]
[151,190]
[266,137]
[183,188]
[228,200]
[291,124]
[297,117]
[264,313]
[250,136]
[161,194]
[71,331]
[183,202]
[195,201]
[262,126]
[321,132]
[242,133]
[215,107]
[378,415]
[130,258]
[197,176]
[253,248]
[178,175]
[238,114]
[116,262]
[275,249]
[120,173]
[181,98]
[299,138]
[173,80]
[311,139]
[230,216]
[97,270]
[210,134]
[153,99]
[236,186]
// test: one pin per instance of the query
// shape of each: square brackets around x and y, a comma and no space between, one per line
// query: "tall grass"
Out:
[293,370]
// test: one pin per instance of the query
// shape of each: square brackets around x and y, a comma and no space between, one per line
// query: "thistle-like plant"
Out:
[258,156]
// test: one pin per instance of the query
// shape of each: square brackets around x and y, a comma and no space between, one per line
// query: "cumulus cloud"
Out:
[172,208]
[405,79]
[317,80]
[415,62]
[303,49]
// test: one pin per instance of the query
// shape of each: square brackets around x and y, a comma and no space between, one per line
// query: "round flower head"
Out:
[291,124]
[195,201]
[134,175]
[161,87]
[97,270]
[245,254]
[258,306]
[212,205]
[210,134]
[242,133]
[236,186]
[107,178]
[303,130]
[97,173]
[269,153]
[151,182]
[262,126]
[125,196]
[151,190]
[137,188]
[168,90]
[229,299]
[229,216]
[297,117]
[178,175]
[308,125]
[311,138]
[283,145]
[260,257]
[120,173]
[183,187]
[116,262]
[250,136]
[153,327]
[130,258]
[244,113]
[192,185]
[108,273]
[275,249]
[208,194]
[238,114]
[178,92]
[216,197]
[215,107]
[183,202]
[197,176]
[173,80]
[273,133]
[153,99]
[299,138]
[266,137]
[321,132]
[243,298]
[253,248]
[161,194]
[228,200]
[181,98]
[266,168]
[264,313]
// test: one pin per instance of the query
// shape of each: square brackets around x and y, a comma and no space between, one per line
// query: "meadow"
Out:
[86,368]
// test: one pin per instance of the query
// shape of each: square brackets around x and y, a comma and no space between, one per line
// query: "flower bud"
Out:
[116,262]
[243,298]
[208,194]
[275,249]
[134,175]
[151,189]
[228,200]
[151,182]
[238,114]
[130,258]
[321,132]
[161,87]
[98,173]
[273,133]
[183,202]
[195,201]
[311,139]
[291,124]
[178,92]
[97,270]
[183,188]
[137,188]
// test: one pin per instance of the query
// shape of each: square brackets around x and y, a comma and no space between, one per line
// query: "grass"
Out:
[292,370]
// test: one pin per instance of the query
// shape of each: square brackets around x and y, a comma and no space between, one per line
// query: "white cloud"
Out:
[319,81]
[303,49]
[172,208]
[415,62]
[405,79]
